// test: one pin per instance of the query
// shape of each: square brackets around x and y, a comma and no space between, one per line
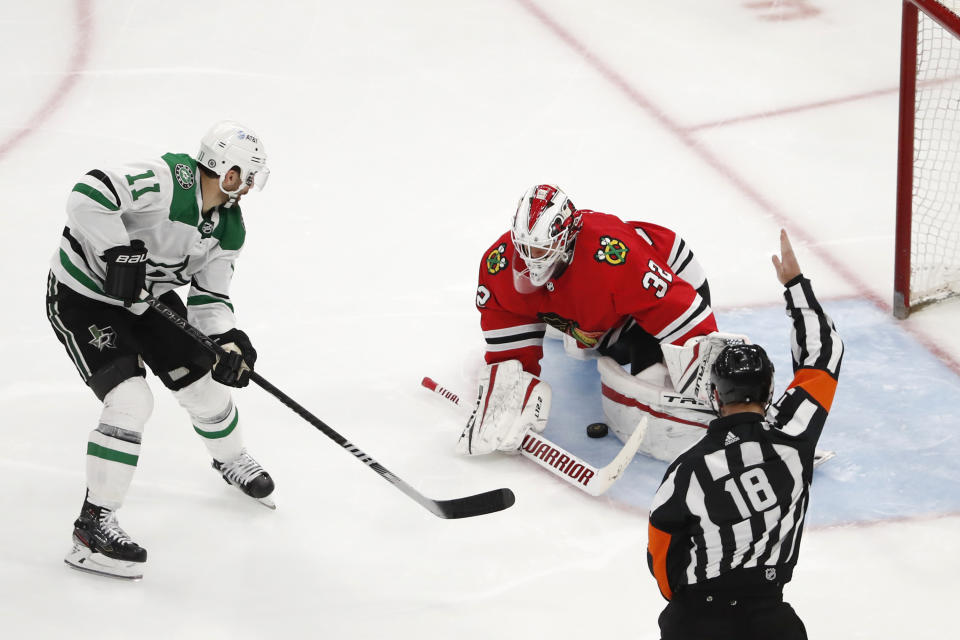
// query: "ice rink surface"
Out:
[400,136]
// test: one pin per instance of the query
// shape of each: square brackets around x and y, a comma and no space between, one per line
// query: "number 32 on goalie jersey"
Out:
[657,278]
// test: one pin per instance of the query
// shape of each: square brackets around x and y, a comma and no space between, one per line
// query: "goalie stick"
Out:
[560,462]
[466,507]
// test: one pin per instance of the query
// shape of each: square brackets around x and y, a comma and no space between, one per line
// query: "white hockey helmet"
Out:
[229,144]
[544,227]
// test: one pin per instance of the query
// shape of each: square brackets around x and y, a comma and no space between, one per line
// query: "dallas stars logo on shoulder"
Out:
[103,338]
[184,176]
[496,260]
[611,251]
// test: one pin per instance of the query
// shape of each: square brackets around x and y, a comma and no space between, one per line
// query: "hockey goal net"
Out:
[927,261]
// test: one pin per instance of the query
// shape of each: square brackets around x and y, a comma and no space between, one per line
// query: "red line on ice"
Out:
[684,135]
[83,17]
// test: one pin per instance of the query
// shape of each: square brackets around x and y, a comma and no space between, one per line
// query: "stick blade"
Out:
[477,505]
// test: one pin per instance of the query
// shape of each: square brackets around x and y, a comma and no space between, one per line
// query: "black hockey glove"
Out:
[126,271]
[234,367]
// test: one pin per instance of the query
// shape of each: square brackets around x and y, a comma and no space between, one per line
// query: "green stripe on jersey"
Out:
[95,195]
[96,450]
[202,299]
[79,275]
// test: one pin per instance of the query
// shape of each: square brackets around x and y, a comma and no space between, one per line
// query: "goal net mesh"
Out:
[935,219]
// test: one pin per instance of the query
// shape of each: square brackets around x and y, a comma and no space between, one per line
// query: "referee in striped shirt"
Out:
[726,522]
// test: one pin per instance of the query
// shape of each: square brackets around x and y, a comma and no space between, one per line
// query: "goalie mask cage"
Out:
[927,254]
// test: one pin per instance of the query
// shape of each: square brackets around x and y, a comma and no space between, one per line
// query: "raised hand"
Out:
[786,265]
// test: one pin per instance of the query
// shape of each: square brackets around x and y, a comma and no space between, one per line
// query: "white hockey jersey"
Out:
[159,202]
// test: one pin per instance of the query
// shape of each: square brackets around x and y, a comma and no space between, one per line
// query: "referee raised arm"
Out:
[726,522]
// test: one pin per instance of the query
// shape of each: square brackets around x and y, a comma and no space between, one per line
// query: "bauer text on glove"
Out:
[126,271]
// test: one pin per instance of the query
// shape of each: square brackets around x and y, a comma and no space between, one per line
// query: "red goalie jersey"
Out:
[619,271]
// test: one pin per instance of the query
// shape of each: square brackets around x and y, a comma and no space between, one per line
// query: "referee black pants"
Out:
[727,615]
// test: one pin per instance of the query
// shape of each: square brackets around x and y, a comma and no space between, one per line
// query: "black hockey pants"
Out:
[730,615]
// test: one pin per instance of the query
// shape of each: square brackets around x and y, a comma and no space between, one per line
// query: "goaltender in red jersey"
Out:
[611,288]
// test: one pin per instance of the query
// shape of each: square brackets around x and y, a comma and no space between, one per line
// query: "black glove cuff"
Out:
[239,338]
[126,271]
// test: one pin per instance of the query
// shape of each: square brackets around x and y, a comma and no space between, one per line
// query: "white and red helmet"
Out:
[543,231]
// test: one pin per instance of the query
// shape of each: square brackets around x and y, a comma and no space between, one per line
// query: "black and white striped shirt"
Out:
[730,510]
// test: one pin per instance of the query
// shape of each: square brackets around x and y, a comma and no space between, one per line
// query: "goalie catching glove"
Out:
[233,367]
[510,402]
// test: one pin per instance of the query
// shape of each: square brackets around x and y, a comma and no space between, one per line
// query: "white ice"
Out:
[400,135]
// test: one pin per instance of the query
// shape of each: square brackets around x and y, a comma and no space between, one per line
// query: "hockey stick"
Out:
[467,507]
[561,462]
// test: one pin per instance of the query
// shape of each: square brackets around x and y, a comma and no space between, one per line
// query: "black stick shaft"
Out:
[479,504]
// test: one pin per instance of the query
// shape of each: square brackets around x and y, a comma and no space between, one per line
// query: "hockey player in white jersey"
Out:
[157,225]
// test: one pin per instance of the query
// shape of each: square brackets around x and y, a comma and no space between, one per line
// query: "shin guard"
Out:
[113,448]
[214,417]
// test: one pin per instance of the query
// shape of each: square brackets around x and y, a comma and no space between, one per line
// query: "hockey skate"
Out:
[100,546]
[820,456]
[246,474]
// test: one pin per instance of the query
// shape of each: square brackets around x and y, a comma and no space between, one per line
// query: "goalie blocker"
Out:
[510,401]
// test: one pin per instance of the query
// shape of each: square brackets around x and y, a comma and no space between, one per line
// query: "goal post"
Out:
[927,245]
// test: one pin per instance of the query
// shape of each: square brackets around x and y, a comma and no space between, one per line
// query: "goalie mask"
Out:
[741,373]
[544,228]
[229,144]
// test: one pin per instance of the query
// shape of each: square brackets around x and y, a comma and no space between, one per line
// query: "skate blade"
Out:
[820,456]
[83,559]
[267,502]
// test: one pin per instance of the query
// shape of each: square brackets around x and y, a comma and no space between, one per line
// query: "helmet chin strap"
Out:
[231,195]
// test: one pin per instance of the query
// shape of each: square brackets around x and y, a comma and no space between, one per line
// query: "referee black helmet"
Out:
[742,373]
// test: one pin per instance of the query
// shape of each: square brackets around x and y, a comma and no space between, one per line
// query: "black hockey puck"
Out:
[597,430]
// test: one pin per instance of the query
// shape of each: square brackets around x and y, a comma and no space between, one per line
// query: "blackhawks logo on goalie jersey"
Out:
[496,260]
[611,251]
[572,328]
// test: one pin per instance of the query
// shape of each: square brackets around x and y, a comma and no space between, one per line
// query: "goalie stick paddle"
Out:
[467,507]
[560,462]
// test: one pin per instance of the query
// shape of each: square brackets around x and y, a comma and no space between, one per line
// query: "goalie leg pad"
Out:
[674,422]
[510,401]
